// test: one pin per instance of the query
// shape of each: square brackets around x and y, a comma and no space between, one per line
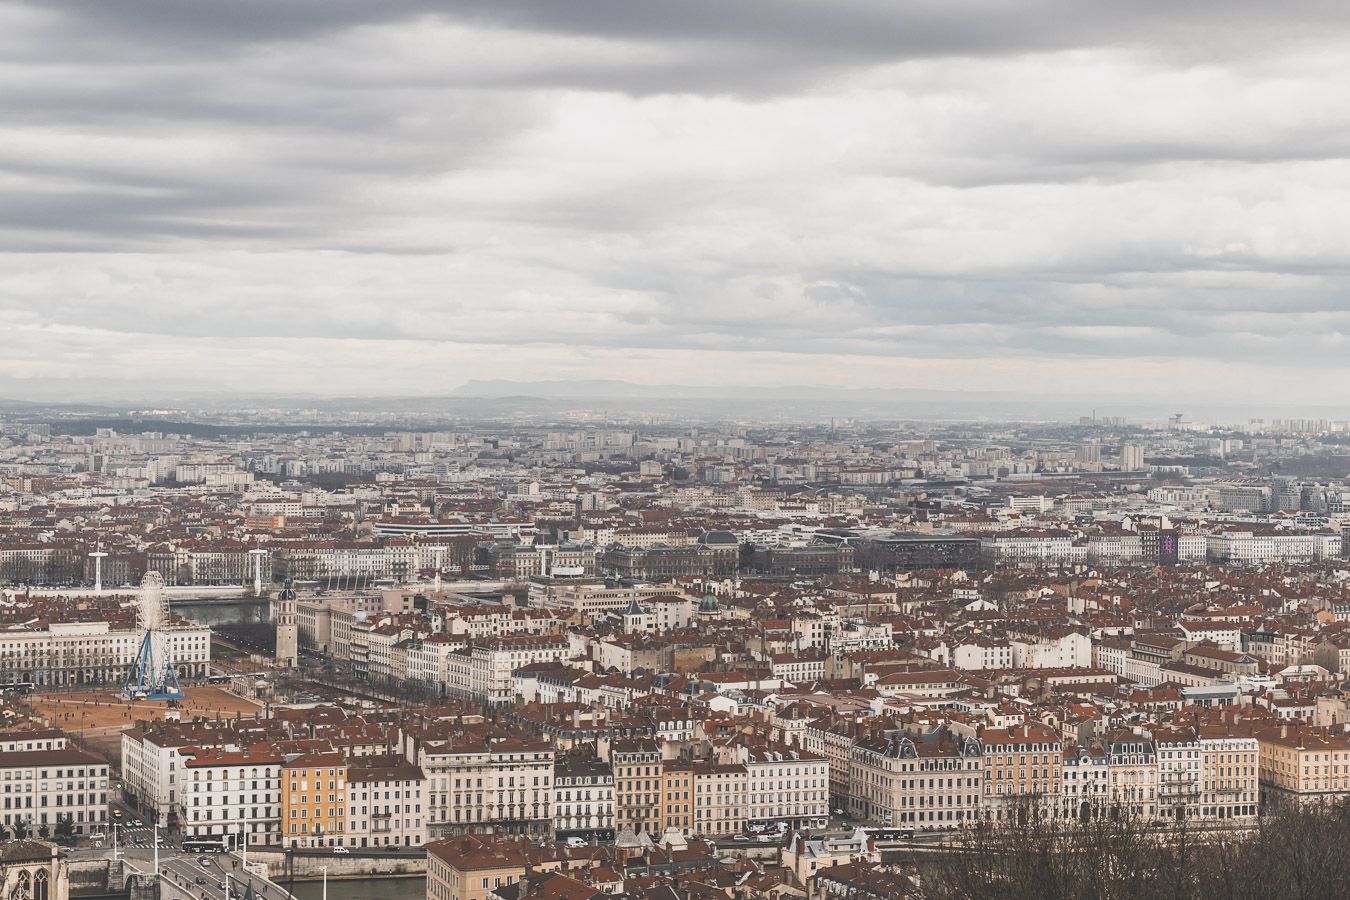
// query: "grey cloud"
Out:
[197,172]
[750,45]
[876,26]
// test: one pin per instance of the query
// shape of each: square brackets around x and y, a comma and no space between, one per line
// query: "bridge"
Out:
[175,592]
[180,876]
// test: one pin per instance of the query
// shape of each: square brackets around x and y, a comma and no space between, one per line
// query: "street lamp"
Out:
[243,838]
[324,870]
[158,874]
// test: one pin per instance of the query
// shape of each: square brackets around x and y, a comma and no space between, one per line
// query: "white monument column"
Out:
[257,570]
[97,557]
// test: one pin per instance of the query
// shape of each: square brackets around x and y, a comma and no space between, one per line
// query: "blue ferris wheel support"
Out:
[152,675]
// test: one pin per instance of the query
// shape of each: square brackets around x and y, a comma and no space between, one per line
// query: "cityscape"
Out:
[630,659]
[756,450]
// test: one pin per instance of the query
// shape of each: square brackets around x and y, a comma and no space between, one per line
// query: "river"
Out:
[363,889]
[222,612]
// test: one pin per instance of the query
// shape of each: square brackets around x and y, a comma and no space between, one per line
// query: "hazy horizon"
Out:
[627,401]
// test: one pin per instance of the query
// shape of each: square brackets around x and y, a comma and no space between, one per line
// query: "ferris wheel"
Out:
[153,675]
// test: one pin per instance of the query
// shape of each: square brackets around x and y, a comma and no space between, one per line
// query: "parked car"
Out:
[341,850]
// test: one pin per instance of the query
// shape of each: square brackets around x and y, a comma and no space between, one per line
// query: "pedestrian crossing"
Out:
[140,836]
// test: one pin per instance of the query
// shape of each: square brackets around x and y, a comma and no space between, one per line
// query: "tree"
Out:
[65,827]
[1293,855]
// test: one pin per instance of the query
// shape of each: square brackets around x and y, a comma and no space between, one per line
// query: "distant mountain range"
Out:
[603,389]
[799,402]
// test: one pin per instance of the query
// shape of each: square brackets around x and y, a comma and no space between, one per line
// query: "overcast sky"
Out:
[386,197]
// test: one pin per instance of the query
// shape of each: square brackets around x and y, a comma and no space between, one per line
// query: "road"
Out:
[203,876]
[359,851]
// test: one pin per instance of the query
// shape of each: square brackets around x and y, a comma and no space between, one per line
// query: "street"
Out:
[203,876]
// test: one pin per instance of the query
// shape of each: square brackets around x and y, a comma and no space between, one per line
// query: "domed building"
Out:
[709,609]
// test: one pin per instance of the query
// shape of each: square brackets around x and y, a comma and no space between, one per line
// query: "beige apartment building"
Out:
[471,868]
[484,781]
[832,738]
[1230,774]
[719,798]
[1302,764]
[637,783]
[1133,775]
[1022,764]
[924,781]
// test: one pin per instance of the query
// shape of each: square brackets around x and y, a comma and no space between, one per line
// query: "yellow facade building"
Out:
[314,800]
[1303,764]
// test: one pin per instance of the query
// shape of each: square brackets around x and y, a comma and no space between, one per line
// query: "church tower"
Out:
[288,636]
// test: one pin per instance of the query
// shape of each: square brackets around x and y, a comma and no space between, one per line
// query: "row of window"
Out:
[60,800]
[22,774]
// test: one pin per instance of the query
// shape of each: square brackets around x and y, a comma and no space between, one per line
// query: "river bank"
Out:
[408,887]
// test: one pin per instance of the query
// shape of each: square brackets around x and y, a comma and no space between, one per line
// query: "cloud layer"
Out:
[406,195]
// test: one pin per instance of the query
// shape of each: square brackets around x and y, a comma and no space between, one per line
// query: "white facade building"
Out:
[47,787]
[231,792]
[386,805]
[77,653]
[483,671]
[785,785]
